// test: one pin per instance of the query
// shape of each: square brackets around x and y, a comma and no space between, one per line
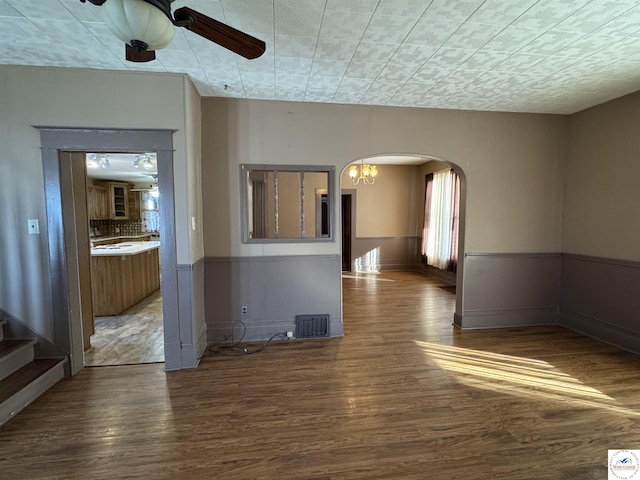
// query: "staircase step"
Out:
[14,354]
[26,384]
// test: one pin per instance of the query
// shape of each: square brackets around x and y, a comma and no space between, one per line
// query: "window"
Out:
[284,203]
[441,212]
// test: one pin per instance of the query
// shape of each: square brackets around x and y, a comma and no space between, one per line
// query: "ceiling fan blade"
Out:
[136,55]
[224,35]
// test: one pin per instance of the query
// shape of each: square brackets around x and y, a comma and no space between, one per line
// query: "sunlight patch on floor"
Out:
[373,276]
[369,262]
[525,377]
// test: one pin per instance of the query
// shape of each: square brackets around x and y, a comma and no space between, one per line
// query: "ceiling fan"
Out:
[148,25]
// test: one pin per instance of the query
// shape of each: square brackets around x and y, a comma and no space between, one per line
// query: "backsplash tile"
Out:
[113,228]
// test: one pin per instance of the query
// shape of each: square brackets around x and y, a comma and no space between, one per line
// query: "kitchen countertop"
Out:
[124,248]
[132,237]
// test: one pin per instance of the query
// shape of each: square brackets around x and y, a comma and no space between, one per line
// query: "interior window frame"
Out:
[245,168]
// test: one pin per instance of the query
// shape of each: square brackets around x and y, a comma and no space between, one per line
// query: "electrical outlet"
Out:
[244,310]
[289,334]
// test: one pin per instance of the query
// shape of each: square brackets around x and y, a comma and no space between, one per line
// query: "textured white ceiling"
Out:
[121,167]
[554,56]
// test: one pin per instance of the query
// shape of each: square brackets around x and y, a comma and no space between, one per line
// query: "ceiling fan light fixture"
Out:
[141,24]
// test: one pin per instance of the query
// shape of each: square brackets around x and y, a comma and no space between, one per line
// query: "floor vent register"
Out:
[312,326]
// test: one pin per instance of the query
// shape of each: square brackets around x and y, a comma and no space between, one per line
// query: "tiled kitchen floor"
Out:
[136,336]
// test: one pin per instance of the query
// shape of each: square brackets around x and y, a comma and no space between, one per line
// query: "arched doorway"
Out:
[395,197]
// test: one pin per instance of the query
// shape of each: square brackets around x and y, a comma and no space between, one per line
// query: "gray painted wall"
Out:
[190,279]
[599,298]
[504,290]
[600,223]
[275,289]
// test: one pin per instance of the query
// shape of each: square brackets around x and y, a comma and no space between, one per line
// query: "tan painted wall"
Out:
[512,162]
[193,128]
[602,192]
[386,208]
[313,183]
[288,204]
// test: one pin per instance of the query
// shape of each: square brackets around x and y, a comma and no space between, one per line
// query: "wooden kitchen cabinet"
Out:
[118,200]
[97,201]
[135,202]
[112,200]
[121,281]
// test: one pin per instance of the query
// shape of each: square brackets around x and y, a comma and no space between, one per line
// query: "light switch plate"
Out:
[32,225]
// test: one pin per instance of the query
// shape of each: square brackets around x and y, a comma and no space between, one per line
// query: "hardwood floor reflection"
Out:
[403,395]
[134,337]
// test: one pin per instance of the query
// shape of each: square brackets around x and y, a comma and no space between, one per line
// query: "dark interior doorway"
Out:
[346,232]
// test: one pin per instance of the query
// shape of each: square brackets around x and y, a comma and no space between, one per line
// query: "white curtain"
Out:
[442,230]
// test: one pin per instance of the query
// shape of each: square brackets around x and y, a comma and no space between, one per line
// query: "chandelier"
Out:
[366,173]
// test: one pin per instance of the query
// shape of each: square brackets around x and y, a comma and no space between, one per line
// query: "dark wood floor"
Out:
[402,396]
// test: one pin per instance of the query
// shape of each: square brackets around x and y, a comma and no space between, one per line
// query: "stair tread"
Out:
[9,345]
[24,376]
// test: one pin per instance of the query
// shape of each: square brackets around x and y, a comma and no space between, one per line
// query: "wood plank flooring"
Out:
[136,336]
[402,396]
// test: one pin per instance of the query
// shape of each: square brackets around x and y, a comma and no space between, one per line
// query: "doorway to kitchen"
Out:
[68,233]
[124,228]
